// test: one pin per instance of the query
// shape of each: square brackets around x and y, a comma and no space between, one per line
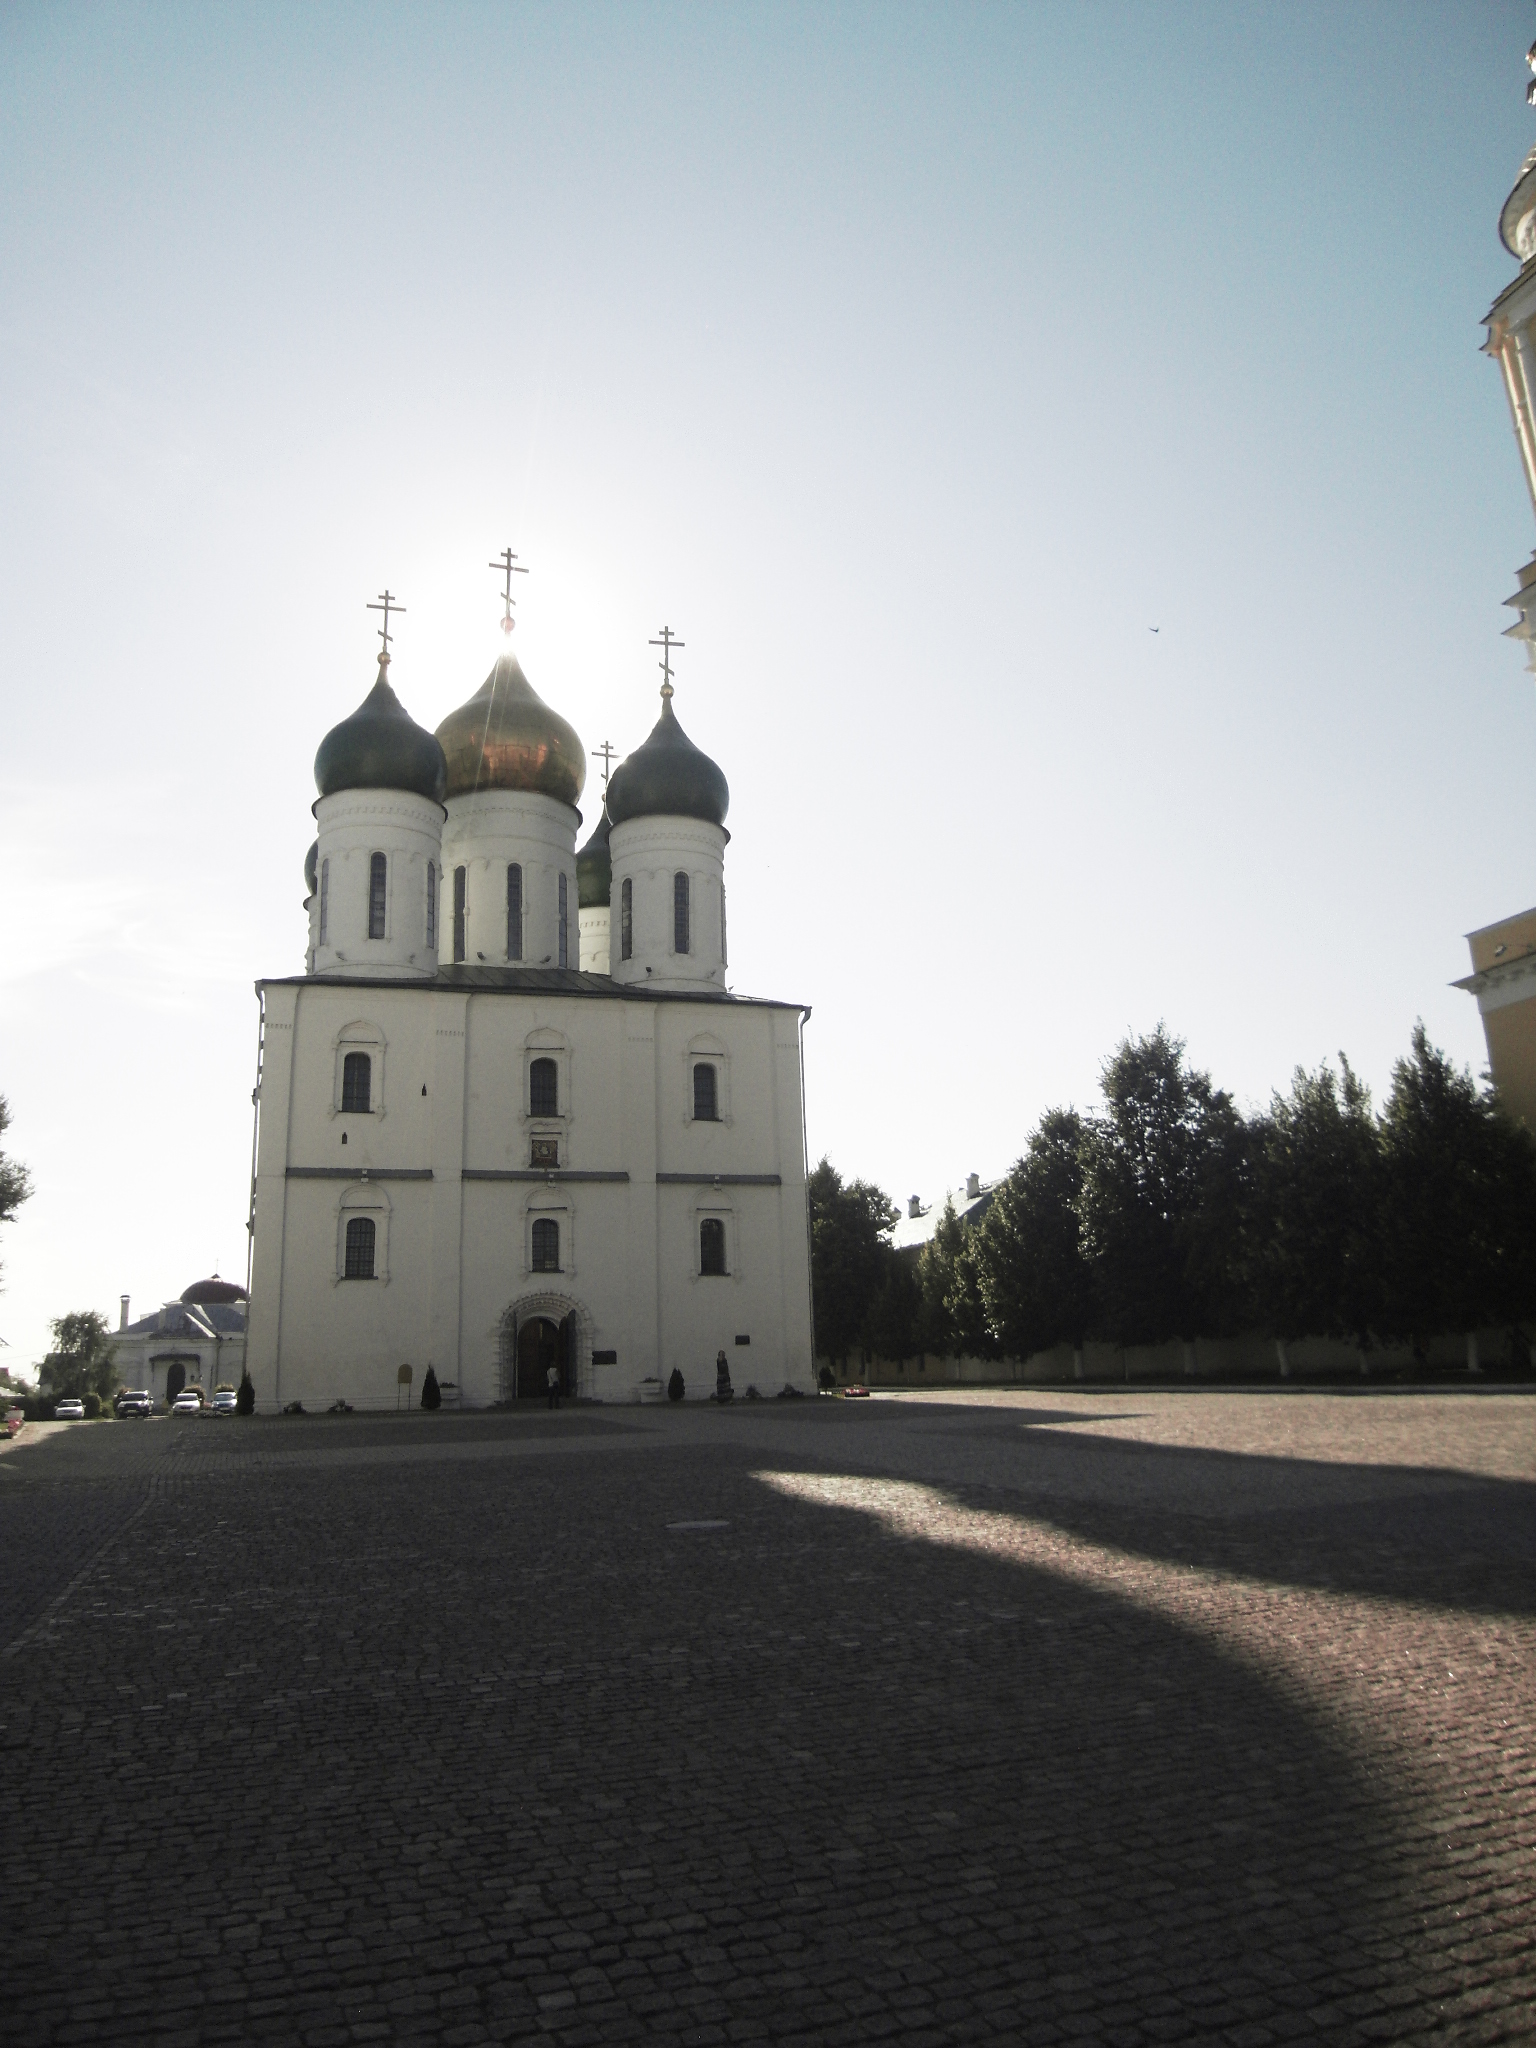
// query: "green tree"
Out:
[1161,1198]
[245,1399]
[1035,1280]
[15,1181]
[851,1225]
[1459,1207]
[892,1326]
[953,1320]
[81,1361]
[1314,1221]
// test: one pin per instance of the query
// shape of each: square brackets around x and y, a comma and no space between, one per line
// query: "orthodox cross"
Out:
[386,605]
[509,566]
[607,751]
[666,643]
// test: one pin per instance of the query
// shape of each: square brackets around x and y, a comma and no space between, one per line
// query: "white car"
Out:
[186,1404]
[69,1411]
[224,1399]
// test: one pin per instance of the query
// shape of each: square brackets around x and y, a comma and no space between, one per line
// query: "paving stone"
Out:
[1088,1717]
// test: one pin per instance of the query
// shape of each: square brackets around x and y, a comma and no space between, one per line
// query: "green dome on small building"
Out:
[594,868]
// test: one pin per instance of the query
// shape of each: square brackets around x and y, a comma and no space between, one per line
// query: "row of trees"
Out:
[1167,1215]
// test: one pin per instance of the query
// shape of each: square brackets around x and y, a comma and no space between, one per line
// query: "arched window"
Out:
[514,911]
[546,1246]
[360,1240]
[680,913]
[626,920]
[562,921]
[724,957]
[325,900]
[431,902]
[543,1088]
[356,1080]
[712,1245]
[705,1109]
[378,879]
[460,916]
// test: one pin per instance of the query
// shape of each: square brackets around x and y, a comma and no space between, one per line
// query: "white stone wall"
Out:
[484,835]
[354,825]
[454,1249]
[594,939]
[648,854]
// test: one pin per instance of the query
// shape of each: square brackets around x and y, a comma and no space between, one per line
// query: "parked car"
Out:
[69,1410]
[855,1392]
[134,1401]
[187,1403]
[224,1399]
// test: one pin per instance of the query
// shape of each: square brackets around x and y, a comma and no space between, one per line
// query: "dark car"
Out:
[134,1401]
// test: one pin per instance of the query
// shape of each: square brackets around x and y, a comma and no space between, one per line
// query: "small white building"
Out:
[197,1340]
[510,1116]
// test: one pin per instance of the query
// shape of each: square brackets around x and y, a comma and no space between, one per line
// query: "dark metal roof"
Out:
[381,747]
[668,776]
[530,981]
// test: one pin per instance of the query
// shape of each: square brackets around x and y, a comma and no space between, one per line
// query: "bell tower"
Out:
[1503,976]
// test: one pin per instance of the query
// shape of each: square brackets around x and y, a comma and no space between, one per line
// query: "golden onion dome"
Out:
[506,737]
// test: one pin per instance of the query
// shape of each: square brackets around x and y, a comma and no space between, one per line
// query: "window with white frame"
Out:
[514,911]
[680,913]
[362,1234]
[361,1243]
[712,1247]
[432,903]
[460,912]
[705,1099]
[325,900]
[545,1238]
[356,1083]
[626,919]
[378,894]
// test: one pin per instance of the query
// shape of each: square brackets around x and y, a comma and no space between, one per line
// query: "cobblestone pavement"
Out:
[1035,1717]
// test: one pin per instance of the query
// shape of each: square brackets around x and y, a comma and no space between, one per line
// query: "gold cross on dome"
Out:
[386,605]
[509,566]
[666,643]
[607,751]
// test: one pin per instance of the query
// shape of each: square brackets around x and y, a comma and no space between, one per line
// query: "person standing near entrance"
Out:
[552,1381]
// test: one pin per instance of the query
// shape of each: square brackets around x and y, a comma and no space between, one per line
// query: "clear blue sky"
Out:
[912,363]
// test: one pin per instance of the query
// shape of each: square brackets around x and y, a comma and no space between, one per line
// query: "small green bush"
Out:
[245,1400]
[92,1406]
[675,1385]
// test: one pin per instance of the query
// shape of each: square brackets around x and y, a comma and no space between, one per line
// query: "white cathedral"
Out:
[510,1117]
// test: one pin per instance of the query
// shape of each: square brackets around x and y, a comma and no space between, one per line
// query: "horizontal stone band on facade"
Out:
[721,1180]
[357,1172]
[538,1173]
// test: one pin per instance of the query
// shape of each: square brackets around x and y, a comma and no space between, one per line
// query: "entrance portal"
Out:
[175,1380]
[540,1345]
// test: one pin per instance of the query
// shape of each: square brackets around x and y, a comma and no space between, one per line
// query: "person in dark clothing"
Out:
[723,1387]
[552,1381]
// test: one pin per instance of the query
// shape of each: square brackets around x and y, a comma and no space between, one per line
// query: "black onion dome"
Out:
[381,747]
[214,1293]
[312,868]
[594,868]
[668,777]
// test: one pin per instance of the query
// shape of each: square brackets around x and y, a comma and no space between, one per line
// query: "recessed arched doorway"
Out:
[542,1343]
[175,1379]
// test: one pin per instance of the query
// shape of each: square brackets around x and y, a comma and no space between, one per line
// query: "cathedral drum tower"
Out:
[1503,976]
[511,1123]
